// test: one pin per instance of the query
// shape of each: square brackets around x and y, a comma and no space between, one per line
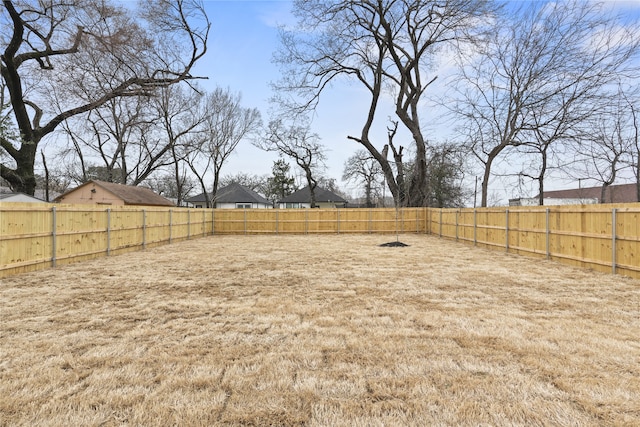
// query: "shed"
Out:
[108,193]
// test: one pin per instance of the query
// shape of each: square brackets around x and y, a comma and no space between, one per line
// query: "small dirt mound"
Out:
[394,244]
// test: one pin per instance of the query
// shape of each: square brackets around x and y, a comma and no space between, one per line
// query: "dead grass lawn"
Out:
[321,331]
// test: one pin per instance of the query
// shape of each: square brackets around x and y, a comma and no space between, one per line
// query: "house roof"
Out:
[623,193]
[233,193]
[304,196]
[8,197]
[39,193]
[129,194]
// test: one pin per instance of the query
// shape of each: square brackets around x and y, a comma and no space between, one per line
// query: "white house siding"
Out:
[294,205]
[321,205]
[233,205]
[550,201]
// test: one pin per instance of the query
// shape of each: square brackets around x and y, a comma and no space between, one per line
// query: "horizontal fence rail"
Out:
[38,236]
[601,237]
[316,221]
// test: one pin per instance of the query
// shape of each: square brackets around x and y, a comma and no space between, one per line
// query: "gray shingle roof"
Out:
[304,196]
[233,193]
[19,195]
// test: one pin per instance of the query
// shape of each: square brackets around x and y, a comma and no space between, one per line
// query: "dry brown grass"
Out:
[319,330]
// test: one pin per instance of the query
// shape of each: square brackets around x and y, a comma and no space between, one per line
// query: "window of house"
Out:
[292,205]
[243,205]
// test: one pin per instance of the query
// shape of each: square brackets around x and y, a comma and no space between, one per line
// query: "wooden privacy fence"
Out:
[315,221]
[38,236]
[601,237]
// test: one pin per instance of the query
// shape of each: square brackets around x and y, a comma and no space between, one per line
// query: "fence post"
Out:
[204,222]
[427,223]
[457,212]
[440,222]
[306,221]
[170,221]
[475,227]
[338,220]
[54,236]
[213,222]
[506,229]
[613,240]
[277,221]
[370,220]
[417,220]
[548,234]
[188,224]
[144,229]
[245,221]
[108,231]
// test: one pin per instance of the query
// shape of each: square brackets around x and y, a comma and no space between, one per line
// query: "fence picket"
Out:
[605,238]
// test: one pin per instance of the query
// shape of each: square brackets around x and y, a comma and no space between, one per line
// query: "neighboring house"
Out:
[302,199]
[108,193]
[39,194]
[233,196]
[552,201]
[623,193]
[20,198]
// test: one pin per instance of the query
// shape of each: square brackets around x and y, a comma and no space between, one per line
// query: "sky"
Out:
[243,38]
[242,41]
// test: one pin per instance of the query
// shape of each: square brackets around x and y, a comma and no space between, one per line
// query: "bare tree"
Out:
[388,47]
[632,128]
[549,141]
[167,186]
[297,142]
[609,144]
[120,137]
[225,124]
[636,151]
[48,47]
[7,129]
[257,183]
[539,76]
[180,112]
[362,169]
